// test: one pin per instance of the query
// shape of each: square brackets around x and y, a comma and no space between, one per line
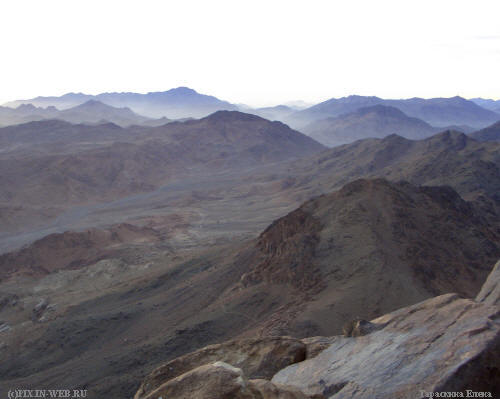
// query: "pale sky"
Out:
[255,52]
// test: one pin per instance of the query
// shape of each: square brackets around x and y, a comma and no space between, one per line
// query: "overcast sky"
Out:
[254,52]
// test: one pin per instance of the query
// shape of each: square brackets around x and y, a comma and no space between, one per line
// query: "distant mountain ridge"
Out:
[90,112]
[450,158]
[376,121]
[279,112]
[106,161]
[490,133]
[181,102]
[435,111]
[493,105]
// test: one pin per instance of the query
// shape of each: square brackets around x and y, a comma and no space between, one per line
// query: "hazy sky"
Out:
[254,52]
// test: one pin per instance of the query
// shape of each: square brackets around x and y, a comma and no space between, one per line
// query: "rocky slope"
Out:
[490,133]
[360,252]
[449,158]
[372,247]
[80,164]
[444,344]
[72,250]
[33,136]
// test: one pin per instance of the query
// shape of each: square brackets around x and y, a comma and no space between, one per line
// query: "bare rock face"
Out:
[490,292]
[359,327]
[446,343]
[258,358]
[315,345]
[220,380]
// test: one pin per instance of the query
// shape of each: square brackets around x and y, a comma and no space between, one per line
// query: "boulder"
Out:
[220,380]
[259,358]
[444,344]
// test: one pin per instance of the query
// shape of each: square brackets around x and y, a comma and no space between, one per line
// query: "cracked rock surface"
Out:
[446,343]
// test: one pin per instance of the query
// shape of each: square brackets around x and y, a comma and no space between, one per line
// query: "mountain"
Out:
[377,121]
[330,109]
[398,344]
[372,247]
[25,113]
[298,104]
[492,105]
[51,134]
[490,133]
[76,164]
[65,101]
[181,102]
[94,112]
[90,112]
[279,112]
[435,111]
[449,158]
[362,251]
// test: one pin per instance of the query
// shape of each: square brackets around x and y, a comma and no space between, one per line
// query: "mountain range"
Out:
[90,112]
[493,105]
[435,111]
[75,164]
[450,158]
[181,102]
[376,121]
[128,244]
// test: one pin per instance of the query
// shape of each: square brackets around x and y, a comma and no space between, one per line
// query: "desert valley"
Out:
[176,245]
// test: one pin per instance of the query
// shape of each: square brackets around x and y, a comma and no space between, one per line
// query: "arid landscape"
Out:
[126,247]
[278,233]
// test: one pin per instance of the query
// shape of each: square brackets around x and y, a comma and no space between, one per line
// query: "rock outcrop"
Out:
[490,292]
[220,380]
[444,344]
[258,358]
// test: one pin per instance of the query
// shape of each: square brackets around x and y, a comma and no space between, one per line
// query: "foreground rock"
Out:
[258,358]
[446,343]
[220,380]
[490,292]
